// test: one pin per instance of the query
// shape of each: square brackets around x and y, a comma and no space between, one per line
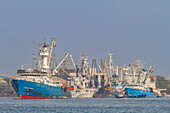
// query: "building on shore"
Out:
[6,88]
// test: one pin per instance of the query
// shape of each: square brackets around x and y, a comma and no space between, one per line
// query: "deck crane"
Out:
[100,69]
[149,72]
[125,70]
[66,56]
[53,44]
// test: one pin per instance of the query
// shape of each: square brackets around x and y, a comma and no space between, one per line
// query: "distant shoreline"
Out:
[6,95]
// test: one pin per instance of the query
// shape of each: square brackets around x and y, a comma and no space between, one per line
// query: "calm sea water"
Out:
[93,105]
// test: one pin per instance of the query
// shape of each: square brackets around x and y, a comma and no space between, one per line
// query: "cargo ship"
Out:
[37,83]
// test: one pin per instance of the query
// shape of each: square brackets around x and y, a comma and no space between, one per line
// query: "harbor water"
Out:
[90,105]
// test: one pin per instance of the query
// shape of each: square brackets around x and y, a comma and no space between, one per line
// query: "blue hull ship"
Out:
[36,83]
[137,93]
[34,90]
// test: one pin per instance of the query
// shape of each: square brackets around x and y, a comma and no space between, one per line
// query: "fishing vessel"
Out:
[79,87]
[38,83]
[133,81]
[139,92]
[139,83]
[83,93]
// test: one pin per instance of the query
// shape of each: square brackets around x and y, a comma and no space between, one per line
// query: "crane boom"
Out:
[55,70]
[73,62]
[149,72]
[66,56]
[100,69]
[53,44]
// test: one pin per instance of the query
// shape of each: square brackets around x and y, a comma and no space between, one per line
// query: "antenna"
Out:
[110,64]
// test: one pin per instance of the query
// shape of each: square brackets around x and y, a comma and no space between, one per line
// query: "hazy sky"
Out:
[129,29]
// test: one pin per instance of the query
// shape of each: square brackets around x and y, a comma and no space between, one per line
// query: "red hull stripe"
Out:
[70,88]
[34,97]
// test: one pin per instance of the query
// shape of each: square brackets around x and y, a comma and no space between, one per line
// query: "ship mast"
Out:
[110,67]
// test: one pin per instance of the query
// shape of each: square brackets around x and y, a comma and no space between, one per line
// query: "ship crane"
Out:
[66,56]
[132,67]
[139,76]
[53,44]
[149,72]
[106,72]
[100,69]
[125,70]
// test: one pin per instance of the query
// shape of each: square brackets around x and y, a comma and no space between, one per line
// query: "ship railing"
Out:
[32,74]
[54,84]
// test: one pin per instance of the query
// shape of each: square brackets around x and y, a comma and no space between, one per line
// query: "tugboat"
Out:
[37,83]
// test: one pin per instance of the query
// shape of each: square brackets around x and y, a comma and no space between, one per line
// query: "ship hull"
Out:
[34,90]
[88,93]
[136,93]
[83,95]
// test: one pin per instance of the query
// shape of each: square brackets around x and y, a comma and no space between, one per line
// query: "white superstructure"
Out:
[46,53]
